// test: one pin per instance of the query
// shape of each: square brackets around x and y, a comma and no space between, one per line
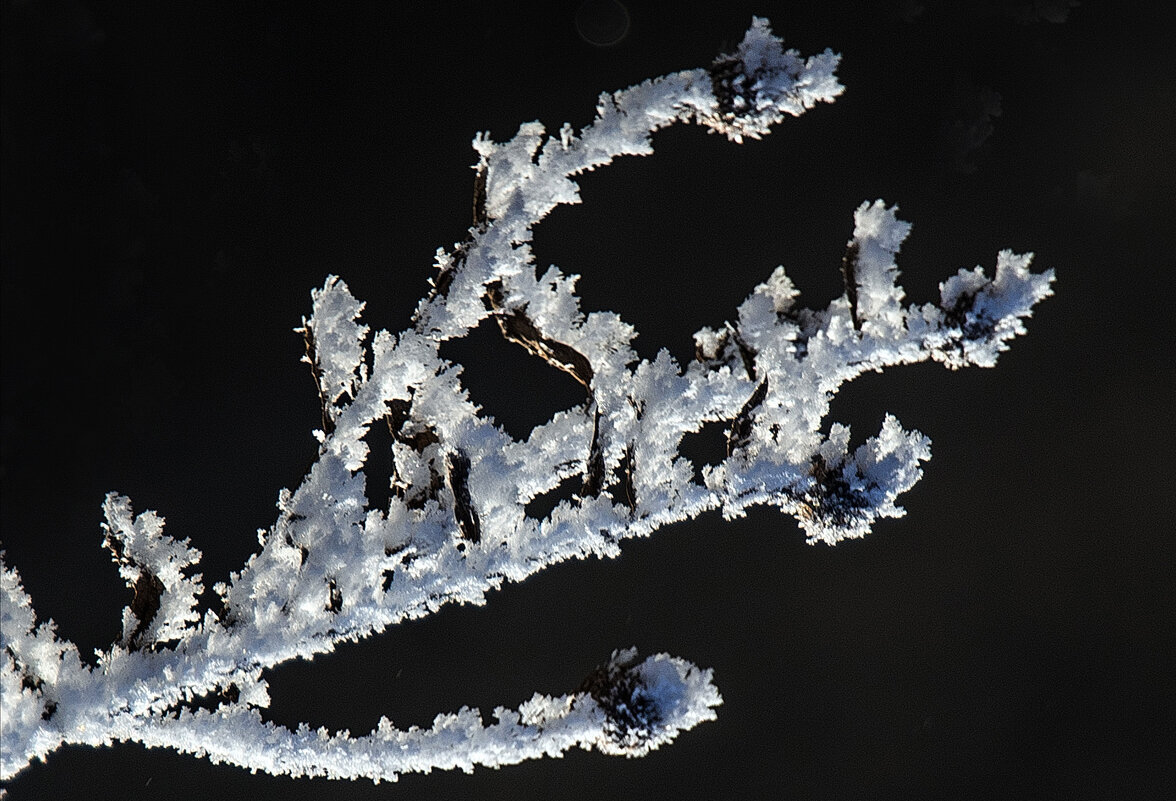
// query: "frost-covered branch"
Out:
[335,567]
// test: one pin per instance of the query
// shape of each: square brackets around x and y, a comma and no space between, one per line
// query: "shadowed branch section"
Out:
[517,327]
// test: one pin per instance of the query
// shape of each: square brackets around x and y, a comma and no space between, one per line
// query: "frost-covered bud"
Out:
[646,703]
[983,314]
[760,82]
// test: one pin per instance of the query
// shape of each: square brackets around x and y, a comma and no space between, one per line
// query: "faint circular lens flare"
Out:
[602,22]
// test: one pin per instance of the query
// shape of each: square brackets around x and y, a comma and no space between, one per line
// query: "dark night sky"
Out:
[176,179]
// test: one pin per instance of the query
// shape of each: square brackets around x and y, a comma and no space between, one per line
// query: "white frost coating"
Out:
[878,234]
[334,568]
[337,355]
[153,565]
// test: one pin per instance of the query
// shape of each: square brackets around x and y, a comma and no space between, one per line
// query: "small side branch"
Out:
[594,476]
[458,468]
[849,263]
[517,327]
[311,358]
[741,426]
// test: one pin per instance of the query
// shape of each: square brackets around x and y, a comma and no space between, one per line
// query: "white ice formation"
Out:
[334,567]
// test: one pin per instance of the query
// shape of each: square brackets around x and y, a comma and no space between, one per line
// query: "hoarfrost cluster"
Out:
[334,567]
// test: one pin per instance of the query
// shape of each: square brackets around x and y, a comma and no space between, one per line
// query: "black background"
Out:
[176,178]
